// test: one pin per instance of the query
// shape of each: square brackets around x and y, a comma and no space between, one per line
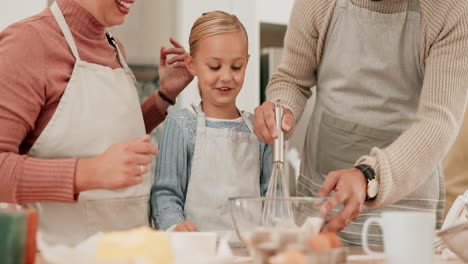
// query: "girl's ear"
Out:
[188,59]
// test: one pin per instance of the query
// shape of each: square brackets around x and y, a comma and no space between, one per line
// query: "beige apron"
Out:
[368,88]
[99,108]
[225,164]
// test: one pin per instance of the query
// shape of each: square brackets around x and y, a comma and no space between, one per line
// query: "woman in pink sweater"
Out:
[71,123]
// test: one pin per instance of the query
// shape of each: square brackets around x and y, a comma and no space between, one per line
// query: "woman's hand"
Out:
[120,166]
[265,123]
[185,226]
[173,74]
[350,186]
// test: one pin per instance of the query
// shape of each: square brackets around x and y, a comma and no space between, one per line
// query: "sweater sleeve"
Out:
[171,177]
[415,154]
[152,114]
[292,82]
[22,87]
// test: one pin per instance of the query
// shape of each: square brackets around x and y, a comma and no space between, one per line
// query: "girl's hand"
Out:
[185,226]
[265,123]
[173,74]
[120,166]
[350,186]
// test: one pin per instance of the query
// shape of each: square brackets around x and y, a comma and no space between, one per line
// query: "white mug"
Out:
[408,237]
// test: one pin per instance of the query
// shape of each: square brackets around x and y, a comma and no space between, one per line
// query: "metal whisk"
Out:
[275,210]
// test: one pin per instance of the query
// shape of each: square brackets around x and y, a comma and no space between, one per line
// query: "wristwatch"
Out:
[372,182]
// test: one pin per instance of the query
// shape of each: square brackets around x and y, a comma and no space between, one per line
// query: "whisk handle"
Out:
[278,143]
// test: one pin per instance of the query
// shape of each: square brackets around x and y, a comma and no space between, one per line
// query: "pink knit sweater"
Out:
[35,66]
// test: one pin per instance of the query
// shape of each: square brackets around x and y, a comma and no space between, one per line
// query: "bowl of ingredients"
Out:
[274,228]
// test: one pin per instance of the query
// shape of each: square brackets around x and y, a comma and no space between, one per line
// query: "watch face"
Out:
[372,188]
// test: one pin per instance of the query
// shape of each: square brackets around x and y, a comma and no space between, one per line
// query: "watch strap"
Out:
[372,182]
[367,171]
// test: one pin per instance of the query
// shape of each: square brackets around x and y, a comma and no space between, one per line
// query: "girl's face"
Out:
[219,63]
[108,12]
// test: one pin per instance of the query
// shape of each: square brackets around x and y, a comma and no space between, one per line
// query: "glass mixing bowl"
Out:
[289,222]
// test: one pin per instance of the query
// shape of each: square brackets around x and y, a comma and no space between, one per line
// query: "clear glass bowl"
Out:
[290,222]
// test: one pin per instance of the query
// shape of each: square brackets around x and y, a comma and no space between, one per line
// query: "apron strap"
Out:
[413,5]
[65,29]
[197,108]
[120,56]
[201,117]
[246,119]
[342,3]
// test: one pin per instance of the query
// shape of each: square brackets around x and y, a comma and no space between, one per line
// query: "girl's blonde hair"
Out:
[213,23]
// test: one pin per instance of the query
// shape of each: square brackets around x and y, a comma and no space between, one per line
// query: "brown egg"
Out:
[293,256]
[324,241]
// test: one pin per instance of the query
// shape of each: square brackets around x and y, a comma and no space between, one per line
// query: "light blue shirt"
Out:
[174,163]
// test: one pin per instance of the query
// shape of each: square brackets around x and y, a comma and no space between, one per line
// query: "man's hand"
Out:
[350,186]
[265,123]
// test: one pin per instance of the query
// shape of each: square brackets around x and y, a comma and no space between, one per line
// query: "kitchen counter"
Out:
[356,256]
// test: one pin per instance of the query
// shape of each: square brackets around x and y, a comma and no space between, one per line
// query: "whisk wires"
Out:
[278,209]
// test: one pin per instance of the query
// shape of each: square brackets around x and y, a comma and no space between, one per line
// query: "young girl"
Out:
[209,152]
